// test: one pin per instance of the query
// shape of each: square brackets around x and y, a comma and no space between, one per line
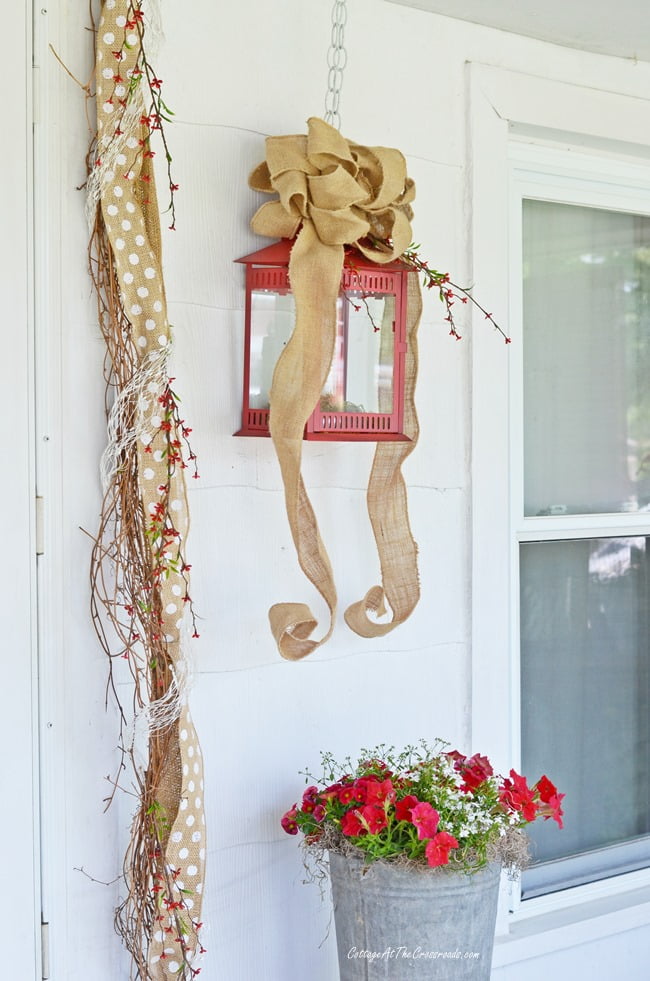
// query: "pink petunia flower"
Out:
[319,813]
[425,818]
[288,821]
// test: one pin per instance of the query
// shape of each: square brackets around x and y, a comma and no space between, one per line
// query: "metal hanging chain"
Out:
[337,58]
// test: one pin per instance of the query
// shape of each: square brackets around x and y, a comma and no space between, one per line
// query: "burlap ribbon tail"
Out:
[332,192]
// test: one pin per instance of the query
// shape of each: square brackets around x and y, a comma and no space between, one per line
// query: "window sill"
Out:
[536,935]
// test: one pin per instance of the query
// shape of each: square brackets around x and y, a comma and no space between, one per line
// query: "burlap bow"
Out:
[347,191]
[332,192]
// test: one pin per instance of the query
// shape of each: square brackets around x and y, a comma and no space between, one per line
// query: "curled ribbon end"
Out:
[292,624]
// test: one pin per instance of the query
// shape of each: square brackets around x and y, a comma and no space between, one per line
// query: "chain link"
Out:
[337,58]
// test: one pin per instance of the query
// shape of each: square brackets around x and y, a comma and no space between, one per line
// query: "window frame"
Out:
[528,133]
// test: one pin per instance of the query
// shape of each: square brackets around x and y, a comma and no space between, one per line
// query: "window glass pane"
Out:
[587,360]
[585,643]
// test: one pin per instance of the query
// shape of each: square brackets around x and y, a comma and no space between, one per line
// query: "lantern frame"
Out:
[268,270]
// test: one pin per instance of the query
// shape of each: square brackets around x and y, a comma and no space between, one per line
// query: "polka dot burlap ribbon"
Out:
[126,189]
[332,192]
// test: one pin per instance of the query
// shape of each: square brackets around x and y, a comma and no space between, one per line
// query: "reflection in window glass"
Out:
[585,669]
[587,360]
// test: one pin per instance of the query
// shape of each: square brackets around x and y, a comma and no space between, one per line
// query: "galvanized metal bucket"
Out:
[398,924]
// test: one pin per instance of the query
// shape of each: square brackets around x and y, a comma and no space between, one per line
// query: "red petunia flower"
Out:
[404,807]
[374,817]
[330,792]
[516,795]
[551,806]
[346,795]
[374,791]
[546,788]
[351,826]
[437,850]
[475,771]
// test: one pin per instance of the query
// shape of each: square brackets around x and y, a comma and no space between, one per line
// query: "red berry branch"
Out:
[449,292]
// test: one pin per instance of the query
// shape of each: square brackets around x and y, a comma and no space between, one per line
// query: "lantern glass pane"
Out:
[361,377]
[272,321]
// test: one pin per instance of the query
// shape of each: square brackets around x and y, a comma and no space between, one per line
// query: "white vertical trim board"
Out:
[19,905]
[491,662]
[49,432]
[509,109]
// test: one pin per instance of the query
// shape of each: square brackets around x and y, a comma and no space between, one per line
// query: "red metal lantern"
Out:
[363,397]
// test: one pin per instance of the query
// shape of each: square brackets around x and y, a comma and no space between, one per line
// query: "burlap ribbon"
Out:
[174,778]
[332,192]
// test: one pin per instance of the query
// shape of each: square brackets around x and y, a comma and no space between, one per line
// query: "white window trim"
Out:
[501,104]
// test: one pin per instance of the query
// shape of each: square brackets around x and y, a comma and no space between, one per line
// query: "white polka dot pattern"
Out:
[129,206]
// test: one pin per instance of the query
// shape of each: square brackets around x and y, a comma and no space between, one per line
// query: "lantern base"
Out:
[337,437]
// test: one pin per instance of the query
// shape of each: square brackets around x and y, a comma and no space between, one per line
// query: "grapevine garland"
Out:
[140,574]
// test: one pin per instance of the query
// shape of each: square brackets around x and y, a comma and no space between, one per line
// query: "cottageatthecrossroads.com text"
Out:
[407,953]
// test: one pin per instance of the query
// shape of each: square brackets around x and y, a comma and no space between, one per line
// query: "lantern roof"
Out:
[279,252]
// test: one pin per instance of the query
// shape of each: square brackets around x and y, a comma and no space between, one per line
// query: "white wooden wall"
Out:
[234,73]
[18,721]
